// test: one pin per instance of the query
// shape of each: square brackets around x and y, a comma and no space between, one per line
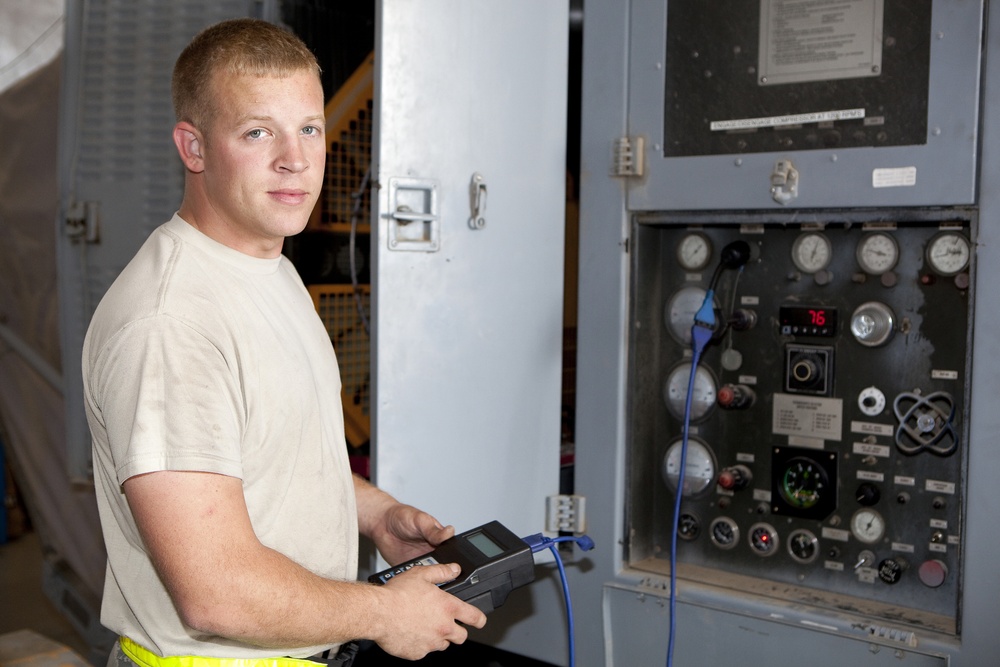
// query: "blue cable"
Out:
[701,334]
[537,542]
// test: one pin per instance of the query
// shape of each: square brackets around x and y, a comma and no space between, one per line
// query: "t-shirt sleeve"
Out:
[170,400]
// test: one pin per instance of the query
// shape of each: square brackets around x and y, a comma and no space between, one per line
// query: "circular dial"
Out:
[694,251]
[724,532]
[763,539]
[803,482]
[688,526]
[812,252]
[877,253]
[803,545]
[867,526]
[948,253]
[871,401]
[676,389]
[680,312]
[699,473]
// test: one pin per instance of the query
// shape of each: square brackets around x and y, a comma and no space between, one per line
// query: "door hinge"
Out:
[565,514]
[629,156]
[83,221]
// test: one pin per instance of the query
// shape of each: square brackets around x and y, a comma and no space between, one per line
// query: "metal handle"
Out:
[477,195]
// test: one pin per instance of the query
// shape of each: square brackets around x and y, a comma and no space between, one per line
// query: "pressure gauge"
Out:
[680,312]
[676,390]
[803,483]
[699,467]
[724,532]
[812,252]
[803,545]
[763,539]
[877,253]
[948,253]
[867,526]
[694,251]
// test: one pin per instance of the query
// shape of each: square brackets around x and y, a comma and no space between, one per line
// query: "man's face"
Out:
[264,156]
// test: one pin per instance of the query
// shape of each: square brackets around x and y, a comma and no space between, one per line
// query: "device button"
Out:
[932,573]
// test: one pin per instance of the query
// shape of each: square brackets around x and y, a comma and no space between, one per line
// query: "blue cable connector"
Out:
[538,542]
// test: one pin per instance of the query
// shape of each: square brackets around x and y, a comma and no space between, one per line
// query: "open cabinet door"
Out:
[470,169]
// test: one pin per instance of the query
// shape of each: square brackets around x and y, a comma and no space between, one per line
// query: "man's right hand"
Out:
[418,617]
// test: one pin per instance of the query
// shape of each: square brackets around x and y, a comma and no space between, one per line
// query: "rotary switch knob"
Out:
[891,570]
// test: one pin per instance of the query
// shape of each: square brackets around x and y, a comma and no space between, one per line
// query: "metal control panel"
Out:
[826,450]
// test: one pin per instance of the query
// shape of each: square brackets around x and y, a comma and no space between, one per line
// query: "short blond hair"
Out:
[240,47]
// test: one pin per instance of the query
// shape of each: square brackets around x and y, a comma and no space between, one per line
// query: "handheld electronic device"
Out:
[494,562]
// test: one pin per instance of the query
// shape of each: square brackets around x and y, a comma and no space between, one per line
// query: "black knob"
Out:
[867,494]
[891,570]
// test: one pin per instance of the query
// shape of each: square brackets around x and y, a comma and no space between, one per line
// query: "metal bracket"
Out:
[629,155]
[565,514]
[784,182]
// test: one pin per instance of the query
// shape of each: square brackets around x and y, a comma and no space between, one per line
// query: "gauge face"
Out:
[867,525]
[812,252]
[688,526]
[877,253]
[763,539]
[699,473]
[724,532]
[948,253]
[803,545]
[694,251]
[803,482]
[680,312]
[702,396]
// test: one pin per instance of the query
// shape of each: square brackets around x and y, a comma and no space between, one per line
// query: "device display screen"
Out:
[488,547]
[808,321]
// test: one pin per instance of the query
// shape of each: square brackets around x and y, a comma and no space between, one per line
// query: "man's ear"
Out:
[188,140]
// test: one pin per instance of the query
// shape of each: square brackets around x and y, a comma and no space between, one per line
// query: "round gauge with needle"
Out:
[694,251]
[867,525]
[680,311]
[803,482]
[724,532]
[948,253]
[699,467]
[803,545]
[702,395]
[877,253]
[812,252]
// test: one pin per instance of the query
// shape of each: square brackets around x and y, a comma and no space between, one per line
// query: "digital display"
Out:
[808,321]
[488,547]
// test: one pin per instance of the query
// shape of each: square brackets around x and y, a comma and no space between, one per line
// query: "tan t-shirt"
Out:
[202,358]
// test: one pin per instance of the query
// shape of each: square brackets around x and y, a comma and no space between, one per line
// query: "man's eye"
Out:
[255,134]
[310,130]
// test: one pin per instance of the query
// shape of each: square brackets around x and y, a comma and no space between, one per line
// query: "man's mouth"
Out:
[289,196]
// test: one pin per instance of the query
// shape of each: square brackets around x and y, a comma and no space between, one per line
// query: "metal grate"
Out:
[337,307]
[346,164]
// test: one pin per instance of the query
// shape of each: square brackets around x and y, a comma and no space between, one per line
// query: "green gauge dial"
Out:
[803,483]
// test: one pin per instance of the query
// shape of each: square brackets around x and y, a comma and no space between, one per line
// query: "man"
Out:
[228,508]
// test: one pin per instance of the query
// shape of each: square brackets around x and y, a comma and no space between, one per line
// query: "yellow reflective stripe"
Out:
[146,658]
